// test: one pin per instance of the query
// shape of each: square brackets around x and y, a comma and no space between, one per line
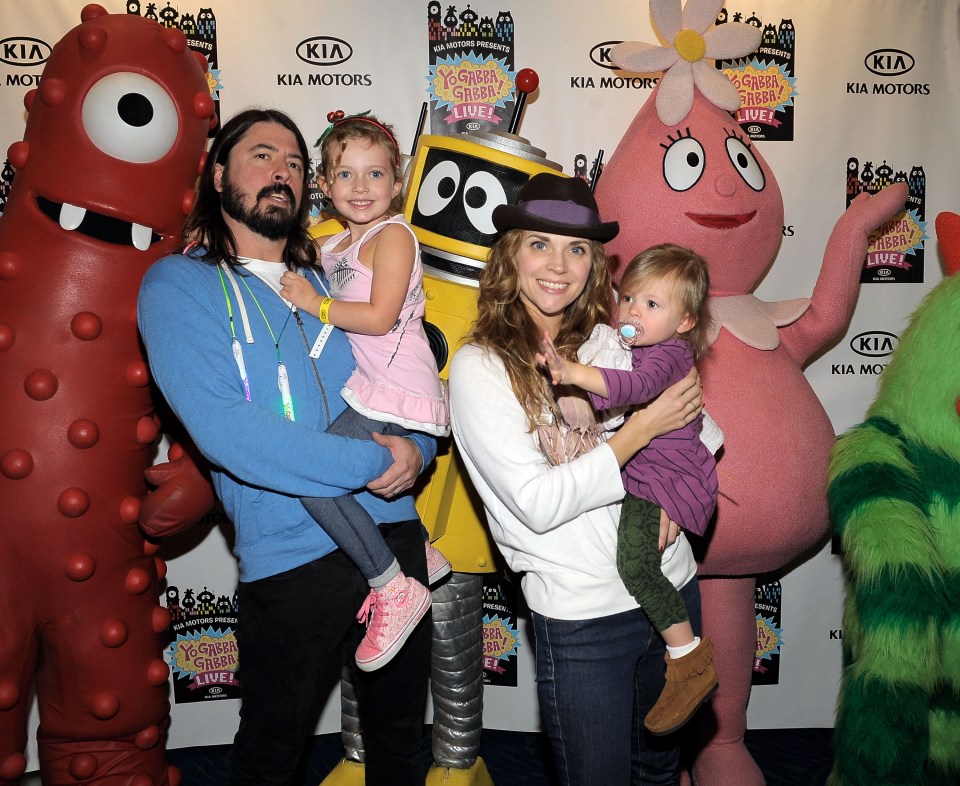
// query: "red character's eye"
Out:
[130,117]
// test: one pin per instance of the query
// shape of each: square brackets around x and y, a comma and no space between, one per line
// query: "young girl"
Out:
[662,317]
[373,268]
[598,659]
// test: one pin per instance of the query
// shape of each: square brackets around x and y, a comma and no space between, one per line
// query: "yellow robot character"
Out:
[452,186]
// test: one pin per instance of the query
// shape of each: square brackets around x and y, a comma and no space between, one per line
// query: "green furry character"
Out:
[894,493]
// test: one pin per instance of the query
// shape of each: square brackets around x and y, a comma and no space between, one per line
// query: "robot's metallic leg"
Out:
[457,689]
[350,719]
[349,772]
[456,671]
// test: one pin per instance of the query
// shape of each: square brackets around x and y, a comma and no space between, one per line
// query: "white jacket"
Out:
[557,525]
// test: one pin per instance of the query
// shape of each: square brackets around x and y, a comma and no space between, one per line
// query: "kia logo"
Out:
[889,62]
[884,271]
[323,50]
[600,54]
[754,129]
[24,51]
[215,691]
[874,343]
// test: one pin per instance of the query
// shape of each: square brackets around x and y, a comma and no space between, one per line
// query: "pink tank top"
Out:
[396,379]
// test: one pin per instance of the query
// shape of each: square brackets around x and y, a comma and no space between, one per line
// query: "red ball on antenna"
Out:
[527,80]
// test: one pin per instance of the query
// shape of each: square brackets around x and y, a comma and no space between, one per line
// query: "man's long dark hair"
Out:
[206,225]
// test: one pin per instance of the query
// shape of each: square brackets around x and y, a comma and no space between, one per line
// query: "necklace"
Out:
[283,380]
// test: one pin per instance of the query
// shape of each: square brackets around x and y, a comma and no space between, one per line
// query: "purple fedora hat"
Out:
[558,205]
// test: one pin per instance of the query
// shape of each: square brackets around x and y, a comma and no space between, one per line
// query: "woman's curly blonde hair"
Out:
[504,328]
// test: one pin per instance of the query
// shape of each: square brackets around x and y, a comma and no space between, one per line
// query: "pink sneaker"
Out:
[391,614]
[438,566]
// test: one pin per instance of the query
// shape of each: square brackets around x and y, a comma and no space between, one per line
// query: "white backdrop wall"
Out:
[874,80]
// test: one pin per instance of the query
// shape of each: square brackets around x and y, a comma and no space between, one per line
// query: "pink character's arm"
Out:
[838,284]
[183,494]
[948,238]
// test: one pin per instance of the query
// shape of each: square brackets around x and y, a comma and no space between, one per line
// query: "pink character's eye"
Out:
[743,160]
[683,163]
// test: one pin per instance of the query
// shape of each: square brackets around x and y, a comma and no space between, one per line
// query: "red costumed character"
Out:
[104,181]
[683,173]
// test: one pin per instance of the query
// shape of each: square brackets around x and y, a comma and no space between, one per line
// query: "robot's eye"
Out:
[130,117]
[438,188]
[683,163]
[481,194]
[745,162]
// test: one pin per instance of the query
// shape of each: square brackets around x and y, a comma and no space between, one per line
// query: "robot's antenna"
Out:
[527,80]
[420,123]
[595,173]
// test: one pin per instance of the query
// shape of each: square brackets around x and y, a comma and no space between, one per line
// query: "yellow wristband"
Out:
[324,312]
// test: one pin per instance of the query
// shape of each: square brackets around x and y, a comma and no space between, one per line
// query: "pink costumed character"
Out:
[684,173]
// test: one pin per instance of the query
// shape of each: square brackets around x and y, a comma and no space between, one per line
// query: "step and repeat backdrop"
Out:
[841,97]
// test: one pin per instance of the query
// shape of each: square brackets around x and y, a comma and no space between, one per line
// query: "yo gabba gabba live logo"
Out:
[207,657]
[768,602]
[765,79]
[500,642]
[895,250]
[769,641]
[471,79]
[203,653]
[471,87]
[501,639]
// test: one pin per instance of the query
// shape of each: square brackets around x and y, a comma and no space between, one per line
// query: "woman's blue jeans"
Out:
[596,681]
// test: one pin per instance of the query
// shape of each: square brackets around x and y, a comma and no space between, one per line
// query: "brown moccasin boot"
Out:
[691,680]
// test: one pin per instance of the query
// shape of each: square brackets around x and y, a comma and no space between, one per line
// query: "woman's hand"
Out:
[403,473]
[677,406]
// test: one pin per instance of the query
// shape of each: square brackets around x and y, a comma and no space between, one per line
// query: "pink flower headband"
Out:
[683,61]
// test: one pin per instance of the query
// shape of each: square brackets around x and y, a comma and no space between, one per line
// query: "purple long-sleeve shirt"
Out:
[675,471]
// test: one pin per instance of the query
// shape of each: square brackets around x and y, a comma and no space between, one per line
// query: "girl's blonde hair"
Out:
[365,128]
[691,281]
[504,328]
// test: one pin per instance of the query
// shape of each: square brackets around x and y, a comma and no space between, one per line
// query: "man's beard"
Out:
[272,222]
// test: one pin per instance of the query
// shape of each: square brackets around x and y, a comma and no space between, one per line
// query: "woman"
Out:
[551,488]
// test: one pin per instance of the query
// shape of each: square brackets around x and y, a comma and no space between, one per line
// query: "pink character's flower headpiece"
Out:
[683,61]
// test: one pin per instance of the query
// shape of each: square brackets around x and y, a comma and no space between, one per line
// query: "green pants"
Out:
[638,562]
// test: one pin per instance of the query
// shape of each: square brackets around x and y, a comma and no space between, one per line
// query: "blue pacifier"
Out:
[628,331]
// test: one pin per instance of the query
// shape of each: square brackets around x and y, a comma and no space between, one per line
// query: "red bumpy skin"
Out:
[111,150]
